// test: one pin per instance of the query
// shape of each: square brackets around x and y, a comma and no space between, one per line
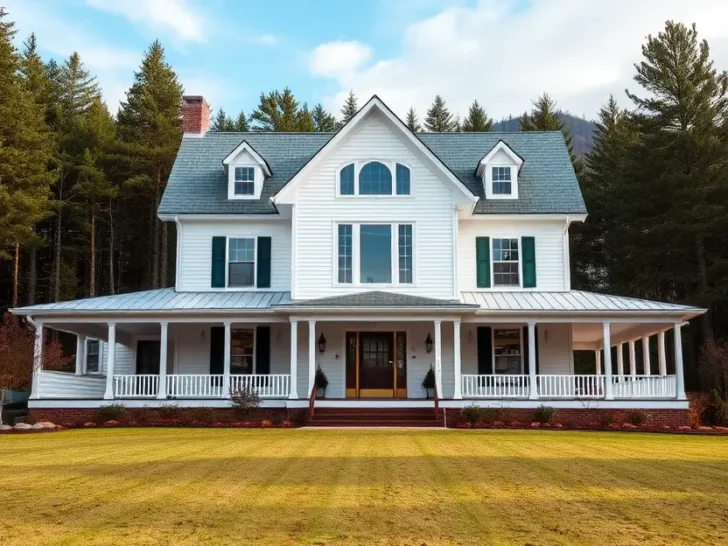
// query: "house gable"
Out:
[246,172]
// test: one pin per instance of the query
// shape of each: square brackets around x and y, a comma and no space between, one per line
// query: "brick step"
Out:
[375,416]
[374,423]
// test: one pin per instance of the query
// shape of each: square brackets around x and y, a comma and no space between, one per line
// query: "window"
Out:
[92,356]
[244,181]
[242,345]
[375,251]
[375,179]
[241,263]
[501,180]
[346,180]
[507,350]
[405,253]
[403,180]
[346,269]
[505,262]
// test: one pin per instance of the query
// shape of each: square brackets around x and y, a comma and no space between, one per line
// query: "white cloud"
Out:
[265,39]
[338,59]
[159,15]
[505,54]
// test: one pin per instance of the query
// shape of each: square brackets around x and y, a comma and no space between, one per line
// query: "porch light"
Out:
[428,344]
[322,343]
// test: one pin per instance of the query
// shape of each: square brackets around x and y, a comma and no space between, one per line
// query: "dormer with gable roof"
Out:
[499,170]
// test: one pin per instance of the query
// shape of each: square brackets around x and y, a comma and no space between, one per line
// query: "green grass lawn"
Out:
[277,487]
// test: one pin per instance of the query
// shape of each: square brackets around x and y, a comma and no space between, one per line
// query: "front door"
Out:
[147,357]
[376,364]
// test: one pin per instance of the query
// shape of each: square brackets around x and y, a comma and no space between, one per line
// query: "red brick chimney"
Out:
[195,114]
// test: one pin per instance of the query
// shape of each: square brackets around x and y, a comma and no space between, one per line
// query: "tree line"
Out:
[79,186]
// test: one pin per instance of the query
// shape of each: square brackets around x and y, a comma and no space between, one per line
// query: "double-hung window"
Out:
[241,262]
[92,356]
[506,265]
[244,181]
[375,254]
[242,350]
[507,350]
[501,181]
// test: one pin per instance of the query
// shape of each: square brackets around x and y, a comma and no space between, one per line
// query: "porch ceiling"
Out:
[588,335]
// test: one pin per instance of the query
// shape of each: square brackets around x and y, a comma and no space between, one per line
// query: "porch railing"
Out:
[200,385]
[266,385]
[136,386]
[495,386]
[571,386]
[195,386]
[644,386]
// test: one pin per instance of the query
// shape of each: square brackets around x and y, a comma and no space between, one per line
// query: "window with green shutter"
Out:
[528,255]
[482,260]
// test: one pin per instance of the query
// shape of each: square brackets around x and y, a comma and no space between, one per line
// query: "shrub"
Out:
[715,411]
[321,380]
[140,415]
[636,417]
[543,414]
[472,413]
[491,415]
[606,418]
[428,383]
[169,411]
[112,412]
[203,415]
[244,400]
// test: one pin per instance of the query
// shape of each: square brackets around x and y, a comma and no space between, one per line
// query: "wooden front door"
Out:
[376,364]
[147,357]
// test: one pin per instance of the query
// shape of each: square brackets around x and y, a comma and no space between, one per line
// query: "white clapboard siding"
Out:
[549,236]
[68,385]
[429,208]
[195,252]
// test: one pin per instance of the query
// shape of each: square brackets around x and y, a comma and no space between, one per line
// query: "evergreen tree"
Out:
[241,123]
[149,125]
[322,120]
[545,117]
[280,112]
[477,119]
[349,109]
[221,122]
[305,120]
[78,89]
[439,119]
[411,121]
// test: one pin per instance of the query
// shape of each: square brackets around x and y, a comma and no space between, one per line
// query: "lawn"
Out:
[277,487]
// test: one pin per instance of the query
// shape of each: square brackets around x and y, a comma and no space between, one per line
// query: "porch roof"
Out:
[574,301]
[377,300]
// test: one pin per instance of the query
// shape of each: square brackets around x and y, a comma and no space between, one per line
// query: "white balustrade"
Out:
[266,385]
[644,386]
[195,386]
[571,386]
[495,386]
[136,385]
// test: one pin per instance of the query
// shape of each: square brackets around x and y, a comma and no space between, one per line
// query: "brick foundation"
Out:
[587,418]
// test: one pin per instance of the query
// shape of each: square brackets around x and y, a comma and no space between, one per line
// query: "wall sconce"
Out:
[322,343]
[428,344]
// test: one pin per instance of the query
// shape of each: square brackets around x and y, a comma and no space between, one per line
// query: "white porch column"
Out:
[458,392]
[110,361]
[226,361]
[163,336]
[608,387]
[80,353]
[598,359]
[532,379]
[662,360]
[632,359]
[620,359]
[679,373]
[646,355]
[294,360]
[37,360]
[438,357]
[311,354]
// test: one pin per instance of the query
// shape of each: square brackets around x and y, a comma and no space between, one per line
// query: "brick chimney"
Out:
[195,114]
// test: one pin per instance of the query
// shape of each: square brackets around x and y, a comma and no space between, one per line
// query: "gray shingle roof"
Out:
[382,300]
[547,183]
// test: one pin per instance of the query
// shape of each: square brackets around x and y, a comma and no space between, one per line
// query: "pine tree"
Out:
[413,124]
[221,122]
[241,123]
[350,108]
[78,89]
[280,112]
[477,119]
[149,125]
[305,120]
[322,120]
[439,119]
[545,117]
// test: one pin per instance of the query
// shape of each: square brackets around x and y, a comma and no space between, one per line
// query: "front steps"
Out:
[376,417]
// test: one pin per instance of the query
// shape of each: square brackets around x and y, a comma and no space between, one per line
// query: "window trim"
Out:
[520,338]
[356,254]
[254,286]
[488,177]
[505,287]
[258,181]
[100,370]
[236,181]
[253,327]
[390,164]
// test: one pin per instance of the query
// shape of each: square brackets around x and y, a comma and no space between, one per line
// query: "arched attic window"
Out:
[375,179]
[346,180]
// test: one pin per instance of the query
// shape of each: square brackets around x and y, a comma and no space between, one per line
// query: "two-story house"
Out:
[374,254]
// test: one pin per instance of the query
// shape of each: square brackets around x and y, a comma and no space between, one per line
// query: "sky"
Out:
[504,53]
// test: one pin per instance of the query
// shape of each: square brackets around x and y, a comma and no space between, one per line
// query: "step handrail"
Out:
[311,401]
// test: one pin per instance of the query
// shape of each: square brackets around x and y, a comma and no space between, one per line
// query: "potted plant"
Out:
[321,383]
[428,383]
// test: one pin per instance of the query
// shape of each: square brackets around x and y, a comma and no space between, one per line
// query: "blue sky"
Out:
[502,52]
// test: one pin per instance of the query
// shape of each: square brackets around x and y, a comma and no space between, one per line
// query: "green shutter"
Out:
[263,276]
[485,350]
[528,254]
[262,349]
[218,262]
[482,259]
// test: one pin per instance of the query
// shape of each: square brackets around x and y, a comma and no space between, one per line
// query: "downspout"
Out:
[567,258]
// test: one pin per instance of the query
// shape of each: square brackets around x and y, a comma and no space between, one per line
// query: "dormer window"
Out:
[374,178]
[499,171]
[501,180]
[244,180]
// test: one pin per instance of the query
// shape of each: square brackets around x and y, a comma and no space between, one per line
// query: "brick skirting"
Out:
[587,418]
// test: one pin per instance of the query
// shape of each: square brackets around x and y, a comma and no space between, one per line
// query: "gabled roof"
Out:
[500,145]
[244,146]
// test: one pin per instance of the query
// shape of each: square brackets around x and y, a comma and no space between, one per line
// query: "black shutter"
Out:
[526,350]
[537,350]
[482,262]
[528,254]
[217,350]
[263,276]
[217,279]
[262,350]
[485,350]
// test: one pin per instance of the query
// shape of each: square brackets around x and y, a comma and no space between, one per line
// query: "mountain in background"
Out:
[580,129]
